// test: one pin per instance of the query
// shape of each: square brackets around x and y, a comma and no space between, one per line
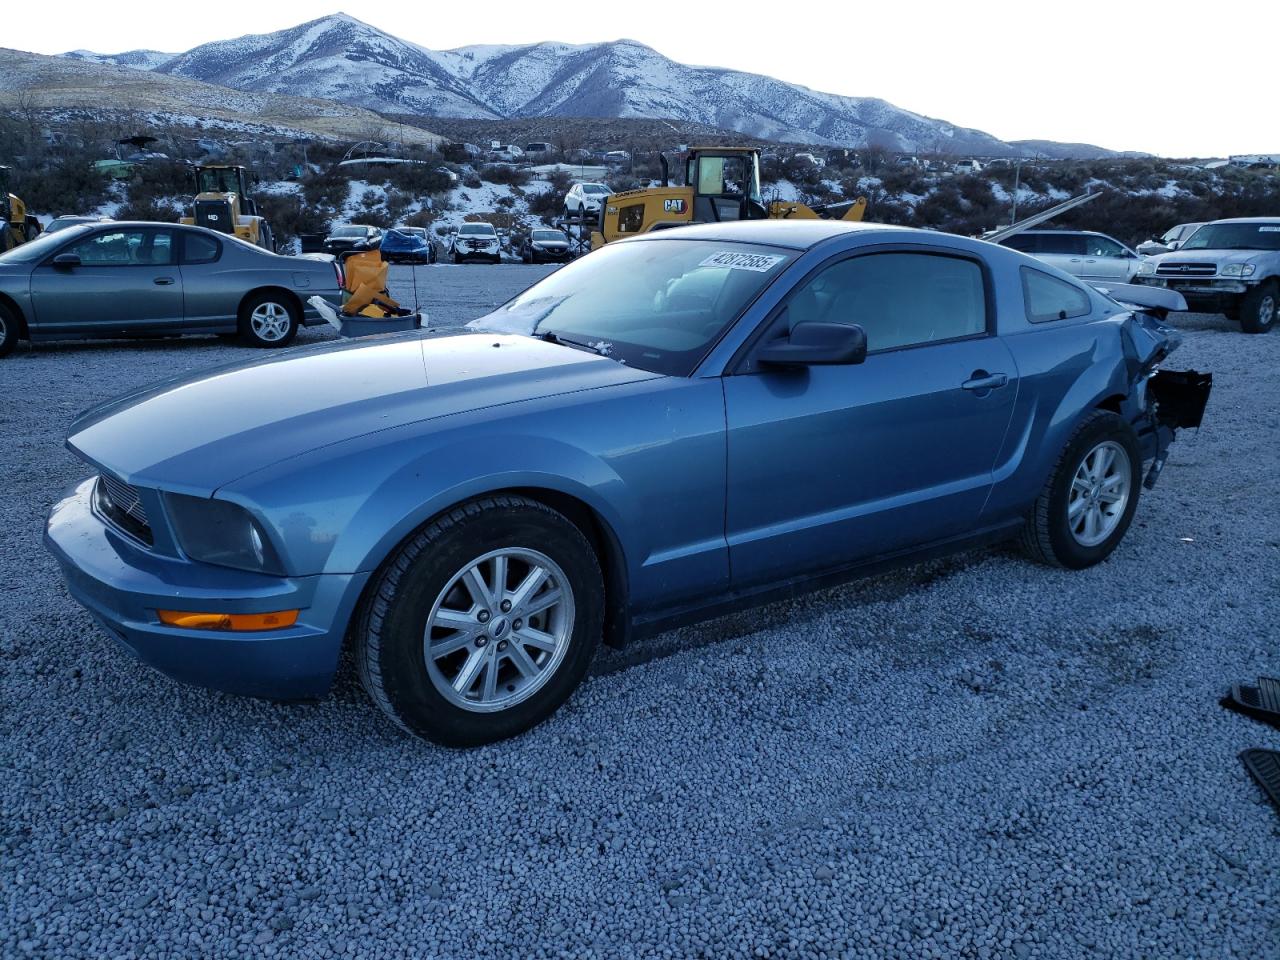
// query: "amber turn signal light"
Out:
[228,621]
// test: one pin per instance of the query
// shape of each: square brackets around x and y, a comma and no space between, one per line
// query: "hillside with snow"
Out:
[62,88]
[342,58]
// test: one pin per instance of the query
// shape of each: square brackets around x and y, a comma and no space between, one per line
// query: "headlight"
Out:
[1146,269]
[222,533]
[1237,270]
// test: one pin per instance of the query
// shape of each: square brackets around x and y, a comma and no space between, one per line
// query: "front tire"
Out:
[268,320]
[483,623]
[1259,307]
[8,331]
[1089,500]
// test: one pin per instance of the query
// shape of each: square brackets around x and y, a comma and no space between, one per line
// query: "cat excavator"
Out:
[721,184]
[16,226]
[223,203]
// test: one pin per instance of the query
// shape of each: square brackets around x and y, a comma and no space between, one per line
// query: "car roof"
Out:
[1060,233]
[1248,220]
[794,234]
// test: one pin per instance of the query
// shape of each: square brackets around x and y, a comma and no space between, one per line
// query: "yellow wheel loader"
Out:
[16,226]
[223,203]
[721,184]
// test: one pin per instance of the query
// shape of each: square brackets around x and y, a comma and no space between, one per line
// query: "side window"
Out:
[1048,298]
[198,248]
[1102,247]
[1026,242]
[125,248]
[631,219]
[1062,243]
[899,299]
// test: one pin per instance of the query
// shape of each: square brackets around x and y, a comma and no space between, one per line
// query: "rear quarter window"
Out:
[1048,298]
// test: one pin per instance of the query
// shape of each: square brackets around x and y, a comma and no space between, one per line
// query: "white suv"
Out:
[585,198]
[476,241]
[1082,253]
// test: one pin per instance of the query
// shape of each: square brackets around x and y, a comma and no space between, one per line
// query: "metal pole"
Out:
[1017,180]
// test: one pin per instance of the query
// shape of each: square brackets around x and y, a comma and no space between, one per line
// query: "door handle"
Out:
[982,382]
[162,281]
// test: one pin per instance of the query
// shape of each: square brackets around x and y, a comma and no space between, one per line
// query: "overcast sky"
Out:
[1170,77]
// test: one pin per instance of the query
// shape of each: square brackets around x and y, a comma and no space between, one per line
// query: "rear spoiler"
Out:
[1158,299]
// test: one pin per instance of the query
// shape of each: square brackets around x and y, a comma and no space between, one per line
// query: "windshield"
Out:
[595,188]
[219,180]
[548,235]
[41,246]
[657,304]
[1235,236]
[477,230]
[350,232]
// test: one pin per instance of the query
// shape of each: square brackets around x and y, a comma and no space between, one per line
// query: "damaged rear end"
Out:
[1171,400]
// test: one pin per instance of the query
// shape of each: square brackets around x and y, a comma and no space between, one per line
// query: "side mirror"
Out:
[66,261]
[814,343]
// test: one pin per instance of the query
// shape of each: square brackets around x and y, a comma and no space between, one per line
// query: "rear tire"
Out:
[9,328]
[1259,307]
[268,320]
[442,617]
[1087,504]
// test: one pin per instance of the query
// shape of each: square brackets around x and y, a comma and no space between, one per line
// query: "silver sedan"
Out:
[129,279]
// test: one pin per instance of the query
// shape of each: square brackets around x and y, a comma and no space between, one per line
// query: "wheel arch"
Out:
[599,532]
[273,288]
[7,302]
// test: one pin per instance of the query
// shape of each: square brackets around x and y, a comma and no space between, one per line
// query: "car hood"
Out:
[1207,256]
[197,433]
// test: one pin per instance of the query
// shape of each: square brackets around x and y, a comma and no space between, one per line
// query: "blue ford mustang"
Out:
[676,425]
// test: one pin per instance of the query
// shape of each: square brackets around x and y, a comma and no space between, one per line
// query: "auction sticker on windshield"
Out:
[757,262]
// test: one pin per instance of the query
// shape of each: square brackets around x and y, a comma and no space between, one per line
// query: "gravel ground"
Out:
[970,758]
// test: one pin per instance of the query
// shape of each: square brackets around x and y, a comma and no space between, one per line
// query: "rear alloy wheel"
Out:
[483,623]
[1258,308]
[1088,503]
[268,320]
[8,331]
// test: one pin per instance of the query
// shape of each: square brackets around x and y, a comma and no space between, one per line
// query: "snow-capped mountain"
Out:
[342,58]
[137,59]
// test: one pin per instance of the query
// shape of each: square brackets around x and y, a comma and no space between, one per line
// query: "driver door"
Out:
[830,465]
[127,282]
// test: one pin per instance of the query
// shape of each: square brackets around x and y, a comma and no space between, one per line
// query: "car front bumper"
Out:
[1200,292]
[478,254]
[123,585]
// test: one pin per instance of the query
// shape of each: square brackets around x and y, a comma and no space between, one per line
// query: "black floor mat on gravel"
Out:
[1264,766]
[1261,702]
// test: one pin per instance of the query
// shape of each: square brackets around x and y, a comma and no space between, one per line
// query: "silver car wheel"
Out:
[499,630]
[1266,311]
[270,321]
[1099,493]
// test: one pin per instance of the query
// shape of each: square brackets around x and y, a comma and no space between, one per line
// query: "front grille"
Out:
[1186,270]
[120,505]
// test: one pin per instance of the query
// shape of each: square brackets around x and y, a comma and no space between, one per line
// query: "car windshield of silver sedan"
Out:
[657,305]
[1235,236]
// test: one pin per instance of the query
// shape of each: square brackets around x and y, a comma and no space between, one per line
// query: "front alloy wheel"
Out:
[1259,307]
[499,629]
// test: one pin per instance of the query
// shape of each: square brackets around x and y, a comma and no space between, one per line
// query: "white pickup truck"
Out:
[1227,266]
